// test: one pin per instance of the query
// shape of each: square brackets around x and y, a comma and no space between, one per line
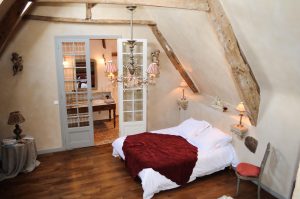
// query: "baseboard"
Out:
[45,151]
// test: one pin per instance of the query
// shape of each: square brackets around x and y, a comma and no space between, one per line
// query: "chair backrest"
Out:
[264,161]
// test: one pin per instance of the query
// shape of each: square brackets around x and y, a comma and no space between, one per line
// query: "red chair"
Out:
[246,171]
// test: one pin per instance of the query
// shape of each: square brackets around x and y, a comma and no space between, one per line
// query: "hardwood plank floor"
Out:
[105,132]
[93,173]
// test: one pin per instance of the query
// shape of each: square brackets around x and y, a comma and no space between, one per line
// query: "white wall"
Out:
[34,90]
[269,35]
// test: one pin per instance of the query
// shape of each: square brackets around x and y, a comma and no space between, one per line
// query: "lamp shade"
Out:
[110,67]
[153,69]
[240,107]
[15,118]
[183,84]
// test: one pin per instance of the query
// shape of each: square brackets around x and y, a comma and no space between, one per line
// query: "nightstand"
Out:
[18,157]
[240,131]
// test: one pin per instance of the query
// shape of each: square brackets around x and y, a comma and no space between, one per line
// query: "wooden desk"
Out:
[96,108]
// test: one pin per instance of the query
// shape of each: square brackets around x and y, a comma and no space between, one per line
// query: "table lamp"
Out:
[16,118]
[241,108]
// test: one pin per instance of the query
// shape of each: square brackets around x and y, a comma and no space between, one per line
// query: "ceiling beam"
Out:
[10,21]
[103,43]
[91,21]
[89,7]
[245,81]
[201,5]
[173,58]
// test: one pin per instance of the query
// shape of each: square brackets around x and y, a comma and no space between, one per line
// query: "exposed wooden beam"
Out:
[89,7]
[173,58]
[245,81]
[10,22]
[103,43]
[92,21]
[201,5]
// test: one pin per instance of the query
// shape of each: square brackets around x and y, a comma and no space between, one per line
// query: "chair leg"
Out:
[237,186]
[258,190]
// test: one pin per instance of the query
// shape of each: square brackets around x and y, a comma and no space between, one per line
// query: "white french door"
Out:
[74,78]
[132,101]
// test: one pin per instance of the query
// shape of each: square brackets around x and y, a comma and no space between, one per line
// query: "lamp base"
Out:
[17,132]
[239,130]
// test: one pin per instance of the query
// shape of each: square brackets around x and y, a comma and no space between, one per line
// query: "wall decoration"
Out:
[17,61]
[251,143]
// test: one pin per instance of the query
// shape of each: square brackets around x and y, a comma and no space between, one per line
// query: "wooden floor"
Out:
[105,132]
[93,173]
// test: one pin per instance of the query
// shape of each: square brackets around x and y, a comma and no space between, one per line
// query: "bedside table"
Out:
[18,157]
[240,131]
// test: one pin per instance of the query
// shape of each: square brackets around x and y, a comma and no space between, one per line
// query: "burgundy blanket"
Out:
[170,155]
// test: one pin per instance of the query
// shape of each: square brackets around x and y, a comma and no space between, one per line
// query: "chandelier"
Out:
[132,72]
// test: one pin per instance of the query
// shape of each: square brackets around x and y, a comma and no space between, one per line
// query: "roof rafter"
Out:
[10,22]
[201,5]
[246,83]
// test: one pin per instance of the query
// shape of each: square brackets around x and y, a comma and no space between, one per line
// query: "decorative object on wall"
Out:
[183,102]
[132,78]
[17,61]
[217,103]
[239,128]
[16,118]
[251,143]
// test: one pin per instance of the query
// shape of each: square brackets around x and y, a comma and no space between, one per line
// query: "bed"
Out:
[210,159]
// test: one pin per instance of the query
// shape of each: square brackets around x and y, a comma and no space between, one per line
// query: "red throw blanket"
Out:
[170,155]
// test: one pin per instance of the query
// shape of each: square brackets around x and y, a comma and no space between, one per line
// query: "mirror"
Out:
[81,74]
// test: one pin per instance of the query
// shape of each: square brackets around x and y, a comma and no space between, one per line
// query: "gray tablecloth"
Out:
[20,157]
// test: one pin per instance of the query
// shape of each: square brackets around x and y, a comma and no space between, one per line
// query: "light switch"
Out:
[55,102]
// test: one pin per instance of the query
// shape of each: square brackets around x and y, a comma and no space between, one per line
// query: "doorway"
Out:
[104,92]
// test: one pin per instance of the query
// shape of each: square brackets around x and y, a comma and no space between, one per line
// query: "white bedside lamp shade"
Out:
[240,107]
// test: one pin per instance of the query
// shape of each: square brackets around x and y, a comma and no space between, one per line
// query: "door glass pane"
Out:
[138,105]
[128,106]
[75,82]
[128,95]
[128,116]
[138,94]
[138,116]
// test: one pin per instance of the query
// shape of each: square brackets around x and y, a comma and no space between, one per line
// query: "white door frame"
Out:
[132,127]
[60,79]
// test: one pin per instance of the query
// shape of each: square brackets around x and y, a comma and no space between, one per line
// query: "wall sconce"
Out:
[153,68]
[17,61]
[183,102]
[239,128]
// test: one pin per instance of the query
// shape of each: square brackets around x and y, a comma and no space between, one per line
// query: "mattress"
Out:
[208,162]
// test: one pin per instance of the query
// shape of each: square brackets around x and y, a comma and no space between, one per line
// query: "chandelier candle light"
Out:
[131,77]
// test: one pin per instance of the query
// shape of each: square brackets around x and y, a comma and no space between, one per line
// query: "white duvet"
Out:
[208,162]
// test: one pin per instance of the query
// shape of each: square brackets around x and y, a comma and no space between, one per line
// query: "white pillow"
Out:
[190,127]
[210,139]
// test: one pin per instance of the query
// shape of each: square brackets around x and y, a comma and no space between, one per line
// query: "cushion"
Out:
[248,170]
[190,127]
[211,138]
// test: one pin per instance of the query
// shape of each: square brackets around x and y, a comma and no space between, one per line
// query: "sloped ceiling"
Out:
[196,44]
[188,32]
